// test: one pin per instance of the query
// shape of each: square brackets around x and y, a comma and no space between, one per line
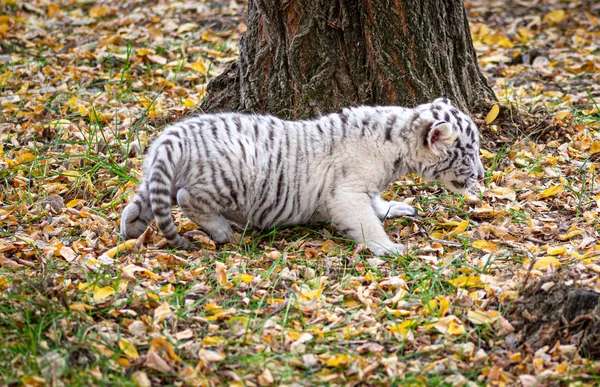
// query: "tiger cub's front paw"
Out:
[390,250]
[399,209]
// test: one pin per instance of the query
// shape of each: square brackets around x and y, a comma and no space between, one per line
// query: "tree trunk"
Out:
[301,58]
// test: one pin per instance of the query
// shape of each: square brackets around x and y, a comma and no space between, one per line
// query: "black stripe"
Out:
[344,119]
[160,191]
[426,136]
[365,125]
[390,125]
[160,166]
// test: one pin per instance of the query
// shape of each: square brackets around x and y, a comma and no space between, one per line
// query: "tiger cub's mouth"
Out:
[462,186]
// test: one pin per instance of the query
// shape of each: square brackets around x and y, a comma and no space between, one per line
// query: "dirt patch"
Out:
[557,308]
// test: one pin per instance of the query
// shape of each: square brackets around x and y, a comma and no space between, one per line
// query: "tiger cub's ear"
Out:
[439,136]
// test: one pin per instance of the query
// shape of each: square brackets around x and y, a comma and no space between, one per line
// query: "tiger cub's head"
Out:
[450,146]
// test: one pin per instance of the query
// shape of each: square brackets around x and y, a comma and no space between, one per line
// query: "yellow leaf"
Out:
[467,282]
[444,305]
[166,290]
[556,250]
[479,317]
[86,286]
[103,293]
[545,262]
[189,103]
[311,294]
[484,245]
[554,17]
[123,361]
[593,19]
[351,303]
[491,116]
[515,357]
[562,367]
[125,246]
[431,305]
[53,9]
[129,349]
[163,346]
[402,329]
[462,227]
[25,157]
[550,191]
[329,246]
[80,307]
[246,278]
[571,232]
[145,51]
[563,114]
[341,359]
[595,148]
[487,154]
[213,307]
[98,12]
[73,203]
[455,327]
[200,67]
[451,325]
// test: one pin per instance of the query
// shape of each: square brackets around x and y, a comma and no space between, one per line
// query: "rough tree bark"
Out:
[300,58]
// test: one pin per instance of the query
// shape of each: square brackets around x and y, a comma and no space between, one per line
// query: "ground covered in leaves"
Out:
[500,288]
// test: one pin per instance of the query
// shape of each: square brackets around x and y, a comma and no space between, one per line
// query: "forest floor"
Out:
[497,289]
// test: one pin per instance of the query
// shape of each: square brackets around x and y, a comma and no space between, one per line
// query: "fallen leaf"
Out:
[551,191]
[479,317]
[554,17]
[161,345]
[129,349]
[451,325]
[467,282]
[545,262]
[493,113]
[100,294]
[162,312]
[488,246]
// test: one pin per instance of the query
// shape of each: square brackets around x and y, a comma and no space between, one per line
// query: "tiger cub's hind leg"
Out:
[136,217]
[206,216]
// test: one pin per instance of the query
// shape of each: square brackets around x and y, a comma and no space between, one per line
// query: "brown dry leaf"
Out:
[157,363]
[221,270]
[140,378]
[162,313]
[68,254]
[479,317]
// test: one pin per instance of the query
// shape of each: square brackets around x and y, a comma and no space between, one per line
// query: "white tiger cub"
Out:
[261,171]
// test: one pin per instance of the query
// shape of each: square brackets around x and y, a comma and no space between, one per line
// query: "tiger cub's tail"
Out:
[156,194]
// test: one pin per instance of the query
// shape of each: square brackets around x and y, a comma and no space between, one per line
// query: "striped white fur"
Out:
[261,171]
